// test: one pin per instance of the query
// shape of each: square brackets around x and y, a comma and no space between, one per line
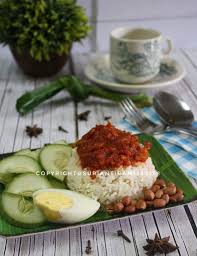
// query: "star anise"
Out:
[33,131]
[159,245]
[84,115]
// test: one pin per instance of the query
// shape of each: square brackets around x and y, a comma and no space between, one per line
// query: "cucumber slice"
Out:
[13,165]
[5,178]
[56,183]
[20,212]
[28,152]
[26,184]
[64,142]
[54,159]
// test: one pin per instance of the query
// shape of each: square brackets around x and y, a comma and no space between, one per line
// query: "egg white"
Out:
[81,209]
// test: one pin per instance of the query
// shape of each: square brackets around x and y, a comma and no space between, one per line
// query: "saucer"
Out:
[98,70]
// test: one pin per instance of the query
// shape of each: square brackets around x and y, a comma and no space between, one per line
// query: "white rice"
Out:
[111,186]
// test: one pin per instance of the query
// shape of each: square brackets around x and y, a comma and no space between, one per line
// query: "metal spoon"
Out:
[175,113]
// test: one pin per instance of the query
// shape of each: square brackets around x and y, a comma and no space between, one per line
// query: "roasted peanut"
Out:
[141,204]
[149,195]
[160,182]
[158,203]
[178,190]
[110,208]
[129,209]
[126,200]
[173,199]
[159,193]
[133,201]
[166,198]
[170,190]
[110,211]
[155,188]
[118,207]
[178,197]
[171,184]
[149,204]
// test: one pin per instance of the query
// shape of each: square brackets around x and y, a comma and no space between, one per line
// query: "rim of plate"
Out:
[63,228]
[105,57]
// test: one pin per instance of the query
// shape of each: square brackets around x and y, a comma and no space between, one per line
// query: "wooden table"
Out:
[180,223]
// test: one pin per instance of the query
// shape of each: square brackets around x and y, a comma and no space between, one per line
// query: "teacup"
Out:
[135,54]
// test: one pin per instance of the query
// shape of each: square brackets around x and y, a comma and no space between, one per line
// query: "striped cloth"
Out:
[182,148]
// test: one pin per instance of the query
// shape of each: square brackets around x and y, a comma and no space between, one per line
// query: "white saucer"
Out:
[98,70]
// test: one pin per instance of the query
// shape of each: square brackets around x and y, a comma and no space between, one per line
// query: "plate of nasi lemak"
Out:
[108,174]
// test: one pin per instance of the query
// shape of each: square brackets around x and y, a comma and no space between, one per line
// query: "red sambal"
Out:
[105,147]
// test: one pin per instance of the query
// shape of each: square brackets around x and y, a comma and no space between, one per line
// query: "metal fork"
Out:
[143,123]
[135,115]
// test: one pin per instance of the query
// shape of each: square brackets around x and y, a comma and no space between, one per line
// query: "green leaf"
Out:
[78,90]
[168,168]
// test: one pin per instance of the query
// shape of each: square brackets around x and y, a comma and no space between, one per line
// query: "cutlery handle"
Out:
[189,130]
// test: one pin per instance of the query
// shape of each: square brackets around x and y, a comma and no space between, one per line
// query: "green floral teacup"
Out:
[135,54]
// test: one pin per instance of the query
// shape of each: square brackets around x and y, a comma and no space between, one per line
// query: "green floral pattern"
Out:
[140,64]
[167,71]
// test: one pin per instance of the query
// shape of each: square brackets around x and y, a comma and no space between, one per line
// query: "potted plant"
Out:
[40,33]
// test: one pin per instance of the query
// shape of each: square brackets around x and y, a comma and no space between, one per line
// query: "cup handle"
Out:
[168,50]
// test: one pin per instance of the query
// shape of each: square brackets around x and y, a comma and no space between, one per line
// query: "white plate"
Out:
[98,70]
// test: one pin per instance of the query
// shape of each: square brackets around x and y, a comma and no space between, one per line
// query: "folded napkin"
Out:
[182,148]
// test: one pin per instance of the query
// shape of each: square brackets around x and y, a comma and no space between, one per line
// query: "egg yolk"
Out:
[52,202]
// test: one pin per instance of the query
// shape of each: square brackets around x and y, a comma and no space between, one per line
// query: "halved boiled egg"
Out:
[65,206]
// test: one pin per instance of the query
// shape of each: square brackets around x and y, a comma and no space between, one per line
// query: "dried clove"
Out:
[61,129]
[106,118]
[125,237]
[88,249]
